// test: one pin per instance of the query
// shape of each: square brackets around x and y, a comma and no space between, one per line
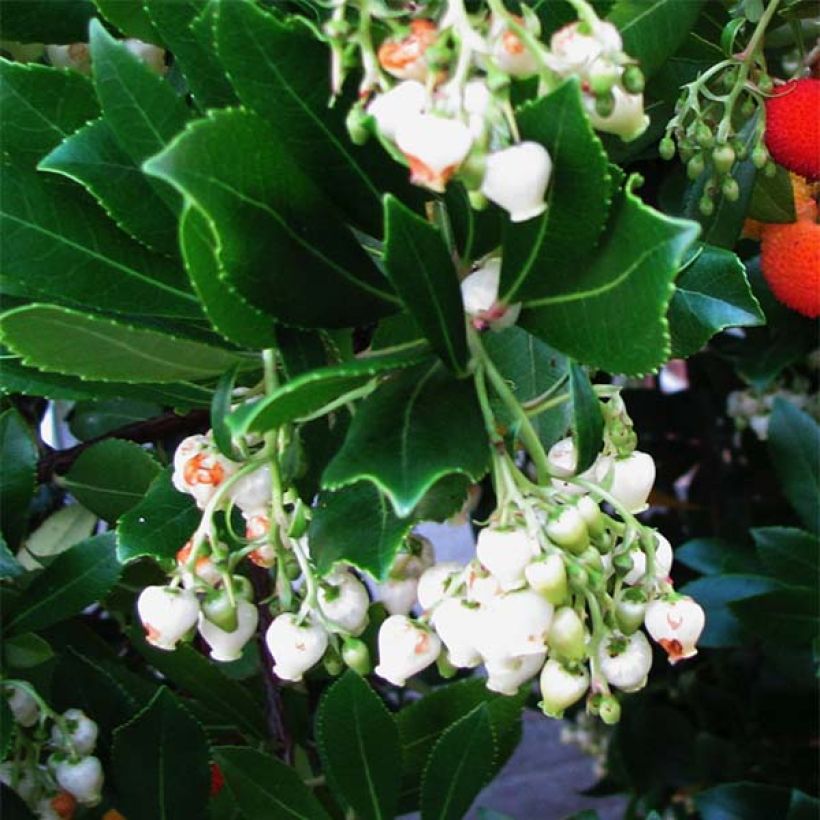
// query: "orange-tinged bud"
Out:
[405,58]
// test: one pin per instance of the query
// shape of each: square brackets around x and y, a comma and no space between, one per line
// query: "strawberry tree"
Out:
[307,276]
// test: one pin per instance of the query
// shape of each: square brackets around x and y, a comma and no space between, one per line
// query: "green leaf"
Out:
[279,69]
[7,727]
[785,617]
[58,245]
[794,441]
[711,294]
[65,341]
[130,17]
[652,30]
[459,766]
[611,314]
[264,787]
[422,271]
[772,198]
[46,21]
[60,531]
[226,699]
[802,806]
[587,418]
[751,801]
[78,577]
[229,313]
[541,255]
[418,426]
[186,27]
[359,746]
[791,555]
[9,565]
[92,419]
[26,650]
[93,158]
[307,394]
[475,233]
[714,556]
[40,106]
[110,477]
[220,407]
[160,763]
[18,455]
[280,243]
[160,524]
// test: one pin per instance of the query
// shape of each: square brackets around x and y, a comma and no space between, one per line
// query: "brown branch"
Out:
[165,426]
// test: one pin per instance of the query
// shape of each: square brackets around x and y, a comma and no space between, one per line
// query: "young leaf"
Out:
[160,524]
[783,617]
[772,198]
[711,293]
[422,271]
[79,577]
[789,554]
[542,253]
[18,455]
[60,531]
[65,341]
[264,787]
[794,441]
[611,314]
[220,407]
[359,746]
[110,477]
[418,426]
[40,106]
[160,763]
[280,242]
[26,651]
[459,766]
[587,419]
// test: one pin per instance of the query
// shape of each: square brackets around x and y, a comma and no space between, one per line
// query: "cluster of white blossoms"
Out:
[437,94]
[70,775]
[753,408]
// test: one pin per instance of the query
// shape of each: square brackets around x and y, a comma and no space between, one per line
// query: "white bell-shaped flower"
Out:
[167,614]
[625,661]
[563,459]
[516,623]
[457,623]
[23,706]
[398,595]
[227,646]
[510,54]
[627,118]
[507,675]
[204,568]
[506,554]
[434,147]
[81,733]
[479,292]
[574,52]
[630,480]
[436,583]
[82,778]
[405,648]
[295,647]
[676,625]
[548,576]
[253,491]
[663,561]
[76,56]
[516,178]
[561,687]
[199,468]
[401,103]
[567,528]
[405,57]
[567,636]
[152,56]
[343,599]
[481,585]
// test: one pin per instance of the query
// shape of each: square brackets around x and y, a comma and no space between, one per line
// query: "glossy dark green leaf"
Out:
[229,313]
[652,30]
[78,577]
[130,17]
[93,157]
[304,395]
[91,419]
[264,787]
[612,313]
[424,275]
[40,106]
[46,21]
[58,245]
[711,294]
[359,746]
[26,651]
[475,233]
[794,441]
[10,567]
[789,554]
[160,524]
[226,699]
[542,255]
[220,407]
[280,243]
[418,426]
[713,556]
[301,350]
[62,529]
[772,198]
[111,477]
[587,418]
[785,617]
[60,340]
[18,455]
[169,750]
[186,27]
[459,766]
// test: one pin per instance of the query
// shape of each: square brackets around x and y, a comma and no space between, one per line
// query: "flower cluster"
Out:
[70,775]
[436,92]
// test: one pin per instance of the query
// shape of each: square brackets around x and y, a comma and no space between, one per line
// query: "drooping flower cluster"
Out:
[55,770]
[436,92]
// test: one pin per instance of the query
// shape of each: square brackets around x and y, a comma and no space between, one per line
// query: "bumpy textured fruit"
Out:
[790,261]
[793,126]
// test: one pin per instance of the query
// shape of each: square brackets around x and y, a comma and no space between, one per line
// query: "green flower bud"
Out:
[243,588]
[730,189]
[578,578]
[769,169]
[357,124]
[765,84]
[566,636]
[724,158]
[706,206]
[747,107]
[592,515]
[666,148]
[704,136]
[604,105]
[333,663]
[760,156]
[356,655]
[216,607]
[610,710]
[567,528]
[633,80]
[695,166]
[630,611]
